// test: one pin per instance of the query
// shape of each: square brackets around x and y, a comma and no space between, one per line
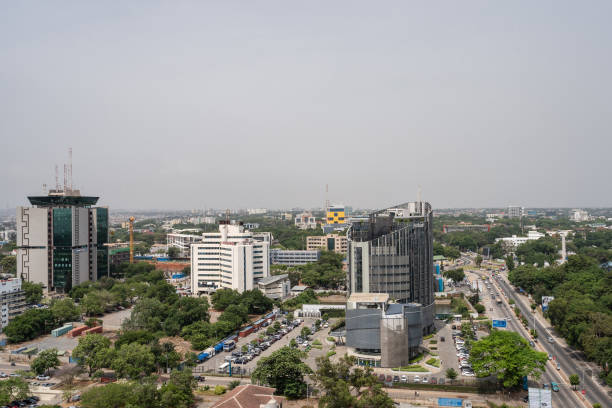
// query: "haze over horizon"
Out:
[172,105]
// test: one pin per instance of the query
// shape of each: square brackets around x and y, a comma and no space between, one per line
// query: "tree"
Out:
[509,263]
[13,388]
[133,361]
[92,352]
[222,298]
[508,356]
[46,359]
[178,391]
[113,395]
[28,325]
[64,310]
[456,275]
[283,370]
[305,332]
[344,386]
[33,292]
[478,260]
[8,264]
[451,374]
[173,252]
[93,304]
[574,380]
[479,308]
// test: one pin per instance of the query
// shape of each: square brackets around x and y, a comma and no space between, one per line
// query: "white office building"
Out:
[12,300]
[515,241]
[182,242]
[232,258]
[292,257]
[580,216]
[515,211]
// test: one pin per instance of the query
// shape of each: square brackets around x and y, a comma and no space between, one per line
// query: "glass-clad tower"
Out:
[62,240]
[391,251]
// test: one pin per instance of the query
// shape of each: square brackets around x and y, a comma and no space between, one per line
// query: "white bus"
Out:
[223,368]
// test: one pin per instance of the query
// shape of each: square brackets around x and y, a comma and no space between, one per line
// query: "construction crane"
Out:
[132,240]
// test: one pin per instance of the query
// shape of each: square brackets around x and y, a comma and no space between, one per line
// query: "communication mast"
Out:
[70,166]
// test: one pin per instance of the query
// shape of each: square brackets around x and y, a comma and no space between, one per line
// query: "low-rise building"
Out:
[305,220]
[380,333]
[293,257]
[117,256]
[514,241]
[330,242]
[298,289]
[250,396]
[12,300]
[466,227]
[275,287]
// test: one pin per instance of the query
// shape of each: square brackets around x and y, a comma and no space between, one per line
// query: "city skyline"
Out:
[213,105]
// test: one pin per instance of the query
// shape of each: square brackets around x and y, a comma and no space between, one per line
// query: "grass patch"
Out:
[429,336]
[433,342]
[433,348]
[416,359]
[317,342]
[317,346]
[330,353]
[434,353]
[414,368]
[433,362]
[330,338]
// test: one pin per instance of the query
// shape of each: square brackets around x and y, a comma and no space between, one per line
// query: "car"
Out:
[554,386]
[404,378]
[381,378]
[547,386]
[532,344]
[558,367]
[425,380]
[441,380]
[442,338]
[389,378]
[3,375]
[12,364]
[550,356]
[433,381]
[551,340]
[416,379]
[43,377]
[396,378]
[14,375]
[526,398]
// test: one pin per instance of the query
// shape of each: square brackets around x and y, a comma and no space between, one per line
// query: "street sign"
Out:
[501,323]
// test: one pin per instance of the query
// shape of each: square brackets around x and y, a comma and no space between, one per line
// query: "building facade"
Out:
[335,215]
[12,300]
[390,254]
[330,242]
[275,287]
[293,257]
[232,258]
[182,242]
[514,241]
[62,240]
[305,220]
[515,211]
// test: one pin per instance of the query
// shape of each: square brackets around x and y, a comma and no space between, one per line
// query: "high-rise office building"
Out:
[515,211]
[233,258]
[390,284]
[61,240]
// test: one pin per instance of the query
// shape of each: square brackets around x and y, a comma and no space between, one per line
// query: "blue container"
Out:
[178,276]
[203,356]
[440,285]
[219,347]
[437,269]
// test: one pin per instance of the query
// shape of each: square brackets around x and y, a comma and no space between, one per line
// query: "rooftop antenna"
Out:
[326,199]
[65,177]
[56,178]
[44,189]
[70,166]
[227,215]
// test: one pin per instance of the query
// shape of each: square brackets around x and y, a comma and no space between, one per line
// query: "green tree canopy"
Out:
[345,386]
[508,356]
[283,370]
[457,275]
[45,360]
[133,361]
[92,352]
[33,292]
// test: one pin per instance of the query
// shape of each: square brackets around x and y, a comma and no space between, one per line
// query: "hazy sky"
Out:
[178,104]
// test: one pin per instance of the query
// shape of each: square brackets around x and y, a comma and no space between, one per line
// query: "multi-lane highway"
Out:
[569,365]
[566,397]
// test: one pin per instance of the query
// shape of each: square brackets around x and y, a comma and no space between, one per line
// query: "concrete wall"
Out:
[32,264]
[32,227]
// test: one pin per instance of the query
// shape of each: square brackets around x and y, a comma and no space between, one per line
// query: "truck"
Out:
[499,302]
[206,354]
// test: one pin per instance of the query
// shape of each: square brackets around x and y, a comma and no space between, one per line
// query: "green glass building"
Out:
[62,240]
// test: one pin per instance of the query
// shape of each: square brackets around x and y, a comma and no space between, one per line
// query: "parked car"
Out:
[554,386]
[43,377]
[396,378]
[424,380]
[417,379]
[551,340]
[389,378]
[381,378]
[404,379]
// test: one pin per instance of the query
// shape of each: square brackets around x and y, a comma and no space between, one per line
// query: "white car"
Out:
[43,378]
[417,379]
[404,379]
[468,374]
[425,380]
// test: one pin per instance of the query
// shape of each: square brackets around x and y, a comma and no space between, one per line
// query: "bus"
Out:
[229,345]
[223,368]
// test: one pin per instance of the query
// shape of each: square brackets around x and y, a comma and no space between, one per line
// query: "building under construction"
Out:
[62,238]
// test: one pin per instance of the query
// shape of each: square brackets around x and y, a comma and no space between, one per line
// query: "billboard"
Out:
[450,402]
[500,323]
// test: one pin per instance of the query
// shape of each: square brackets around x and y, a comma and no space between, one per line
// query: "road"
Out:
[569,365]
[565,394]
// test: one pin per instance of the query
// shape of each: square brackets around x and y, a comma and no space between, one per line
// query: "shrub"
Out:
[219,390]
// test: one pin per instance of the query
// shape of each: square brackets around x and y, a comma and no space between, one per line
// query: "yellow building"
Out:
[335,215]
